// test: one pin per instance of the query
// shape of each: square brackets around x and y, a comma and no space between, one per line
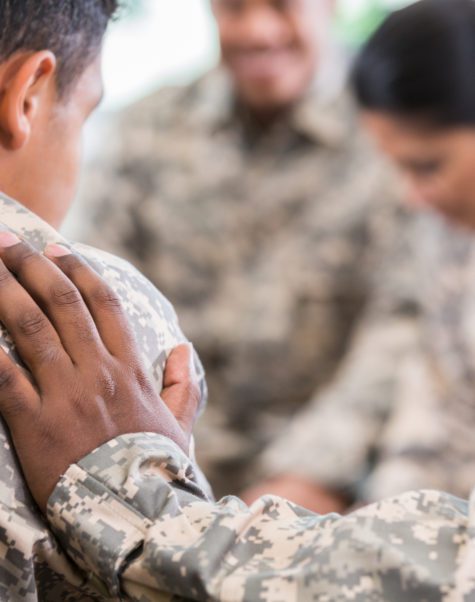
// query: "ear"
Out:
[25,82]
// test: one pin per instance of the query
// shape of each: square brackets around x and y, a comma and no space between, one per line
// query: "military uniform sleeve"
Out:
[131,514]
[331,441]
[334,440]
[428,441]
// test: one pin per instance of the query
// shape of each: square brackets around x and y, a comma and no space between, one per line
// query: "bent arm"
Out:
[331,441]
[334,443]
[131,513]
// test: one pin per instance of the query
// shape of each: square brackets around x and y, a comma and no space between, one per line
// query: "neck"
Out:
[46,212]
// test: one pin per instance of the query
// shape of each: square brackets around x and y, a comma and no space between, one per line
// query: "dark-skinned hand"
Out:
[89,384]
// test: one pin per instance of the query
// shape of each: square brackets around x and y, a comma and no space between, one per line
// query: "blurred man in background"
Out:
[255,204]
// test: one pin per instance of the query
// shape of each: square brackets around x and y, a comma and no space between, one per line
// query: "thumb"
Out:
[181,392]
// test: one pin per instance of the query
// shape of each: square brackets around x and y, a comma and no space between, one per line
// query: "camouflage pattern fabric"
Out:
[268,243]
[131,514]
[32,565]
[426,438]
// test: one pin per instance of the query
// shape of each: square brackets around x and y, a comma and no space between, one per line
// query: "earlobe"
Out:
[25,82]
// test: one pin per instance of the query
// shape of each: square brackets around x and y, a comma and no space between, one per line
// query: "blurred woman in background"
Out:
[415,84]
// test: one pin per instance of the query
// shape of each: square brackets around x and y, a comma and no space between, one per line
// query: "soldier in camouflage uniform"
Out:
[32,565]
[265,227]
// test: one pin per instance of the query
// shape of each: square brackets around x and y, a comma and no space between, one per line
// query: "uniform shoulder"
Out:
[151,315]
[134,288]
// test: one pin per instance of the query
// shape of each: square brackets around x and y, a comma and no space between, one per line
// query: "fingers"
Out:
[181,391]
[56,295]
[104,305]
[32,333]
[18,398]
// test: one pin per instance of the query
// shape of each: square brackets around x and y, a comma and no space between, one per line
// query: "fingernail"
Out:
[54,250]
[8,239]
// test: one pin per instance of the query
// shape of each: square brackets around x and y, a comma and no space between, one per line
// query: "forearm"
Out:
[131,514]
[301,491]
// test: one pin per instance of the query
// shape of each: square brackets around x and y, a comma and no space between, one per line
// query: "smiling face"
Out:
[271,47]
[438,163]
[40,133]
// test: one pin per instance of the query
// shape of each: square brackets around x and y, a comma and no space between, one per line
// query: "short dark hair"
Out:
[71,29]
[420,64]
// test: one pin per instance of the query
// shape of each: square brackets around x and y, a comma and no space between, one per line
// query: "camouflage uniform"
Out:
[268,244]
[426,438]
[32,565]
[131,514]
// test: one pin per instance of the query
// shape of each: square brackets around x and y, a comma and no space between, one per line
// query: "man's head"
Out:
[414,81]
[50,82]
[271,48]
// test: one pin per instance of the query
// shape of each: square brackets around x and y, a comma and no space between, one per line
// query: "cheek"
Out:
[425,191]
[458,183]
[308,44]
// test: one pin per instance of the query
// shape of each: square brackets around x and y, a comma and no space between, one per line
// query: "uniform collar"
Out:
[23,222]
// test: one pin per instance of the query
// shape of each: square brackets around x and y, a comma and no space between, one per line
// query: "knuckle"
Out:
[105,297]
[139,373]
[107,383]
[73,264]
[7,379]
[32,323]
[65,296]
[48,354]
[86,336]
[140,376]
[25,256]
[16,406]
